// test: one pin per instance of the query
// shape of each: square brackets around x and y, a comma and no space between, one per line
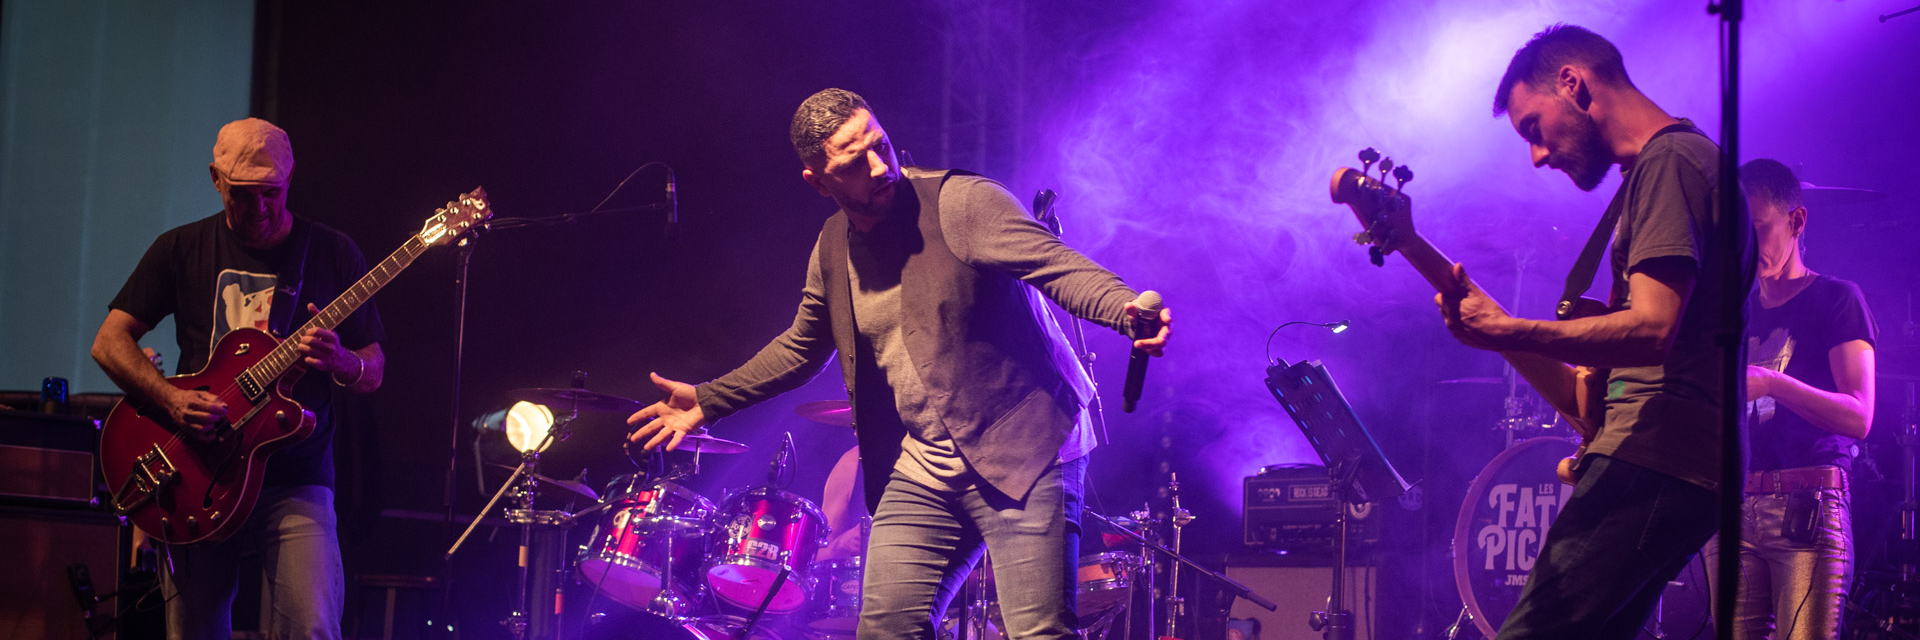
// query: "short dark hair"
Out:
[818,117]
[1772,181]
[1538,64]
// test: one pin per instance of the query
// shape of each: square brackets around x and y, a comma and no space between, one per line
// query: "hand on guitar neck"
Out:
[1474,318]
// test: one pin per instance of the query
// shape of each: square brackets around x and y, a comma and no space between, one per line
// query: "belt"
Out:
[1800,479]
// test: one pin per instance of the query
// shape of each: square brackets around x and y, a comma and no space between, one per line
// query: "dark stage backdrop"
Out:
[1192,143]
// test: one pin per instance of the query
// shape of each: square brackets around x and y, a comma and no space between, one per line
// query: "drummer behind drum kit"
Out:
[680,566]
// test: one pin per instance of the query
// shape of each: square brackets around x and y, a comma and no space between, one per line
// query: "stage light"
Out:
[525,424]
[1338,327]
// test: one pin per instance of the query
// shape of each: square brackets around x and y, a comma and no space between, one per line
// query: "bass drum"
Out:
[1503,523]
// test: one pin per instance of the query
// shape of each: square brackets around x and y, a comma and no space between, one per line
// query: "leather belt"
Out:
[1800,479]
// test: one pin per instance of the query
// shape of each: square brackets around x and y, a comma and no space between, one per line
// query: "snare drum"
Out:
[836,595]
[1106,581]
[760,532]
[640,536]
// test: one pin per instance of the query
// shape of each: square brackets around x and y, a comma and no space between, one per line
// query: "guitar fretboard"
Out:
[285,356]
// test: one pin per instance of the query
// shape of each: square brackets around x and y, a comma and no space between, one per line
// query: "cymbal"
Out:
[1816,195]
[569,485]
[834,412]
[560,400]
[702,443]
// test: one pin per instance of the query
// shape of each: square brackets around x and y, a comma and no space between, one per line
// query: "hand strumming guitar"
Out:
[670,420]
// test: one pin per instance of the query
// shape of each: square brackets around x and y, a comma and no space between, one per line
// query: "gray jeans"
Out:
[1791,590]
[925,541]
[293,530]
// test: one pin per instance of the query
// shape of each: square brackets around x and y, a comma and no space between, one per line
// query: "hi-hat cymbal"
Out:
[560,400]
[569,485]
[1816,195]
[702,443]
[834,412]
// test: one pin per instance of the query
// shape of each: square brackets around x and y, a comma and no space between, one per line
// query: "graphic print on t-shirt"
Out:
[1773,353]
[244,299]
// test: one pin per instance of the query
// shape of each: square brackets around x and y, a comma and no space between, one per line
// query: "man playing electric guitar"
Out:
[1646,499]
[253,265]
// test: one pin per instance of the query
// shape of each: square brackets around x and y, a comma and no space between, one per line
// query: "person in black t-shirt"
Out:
[1646,500]
[1810,386]
[252,265]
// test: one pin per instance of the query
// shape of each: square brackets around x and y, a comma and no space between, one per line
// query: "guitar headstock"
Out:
[457,218]
[1381,209]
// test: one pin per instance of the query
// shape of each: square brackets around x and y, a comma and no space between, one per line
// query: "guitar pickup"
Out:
[152,473]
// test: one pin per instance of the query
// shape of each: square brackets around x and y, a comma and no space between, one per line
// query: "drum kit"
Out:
[675,564]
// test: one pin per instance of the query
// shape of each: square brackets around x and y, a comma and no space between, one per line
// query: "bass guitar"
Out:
[184,488]
[1386,216]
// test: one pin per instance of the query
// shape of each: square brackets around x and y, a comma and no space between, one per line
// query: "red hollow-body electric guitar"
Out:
[185,488]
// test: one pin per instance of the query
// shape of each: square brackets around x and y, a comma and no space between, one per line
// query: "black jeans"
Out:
[1626,531]
[925,540]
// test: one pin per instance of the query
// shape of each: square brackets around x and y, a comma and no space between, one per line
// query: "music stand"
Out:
[1357,471]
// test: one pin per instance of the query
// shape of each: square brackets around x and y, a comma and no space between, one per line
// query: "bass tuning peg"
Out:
[1367,157]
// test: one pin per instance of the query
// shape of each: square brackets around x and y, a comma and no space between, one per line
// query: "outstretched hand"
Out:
[667,421]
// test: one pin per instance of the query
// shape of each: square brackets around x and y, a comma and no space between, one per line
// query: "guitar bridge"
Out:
[152,472]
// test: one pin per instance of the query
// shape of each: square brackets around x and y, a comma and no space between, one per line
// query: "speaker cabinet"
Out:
[1300,588]
[36,546]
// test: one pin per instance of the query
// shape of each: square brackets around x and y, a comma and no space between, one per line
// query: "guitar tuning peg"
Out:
[1386,164]
[1367,158]
[1402,175]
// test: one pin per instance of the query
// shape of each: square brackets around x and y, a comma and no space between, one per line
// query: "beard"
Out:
[1584,160]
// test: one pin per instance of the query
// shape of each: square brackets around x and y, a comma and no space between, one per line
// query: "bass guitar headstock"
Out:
[1382,210]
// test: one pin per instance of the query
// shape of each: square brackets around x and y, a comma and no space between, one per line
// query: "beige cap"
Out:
[253,152]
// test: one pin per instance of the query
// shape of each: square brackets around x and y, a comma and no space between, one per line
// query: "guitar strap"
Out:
[286,293]
[1581,277]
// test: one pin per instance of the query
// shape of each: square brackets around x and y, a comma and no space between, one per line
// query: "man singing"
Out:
[968,406]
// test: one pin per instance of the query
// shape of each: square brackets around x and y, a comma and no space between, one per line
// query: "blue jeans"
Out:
[925,541]
[293,530]
[1798,587]
[1626,531]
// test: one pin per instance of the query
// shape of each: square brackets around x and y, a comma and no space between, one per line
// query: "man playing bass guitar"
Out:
[1647,490]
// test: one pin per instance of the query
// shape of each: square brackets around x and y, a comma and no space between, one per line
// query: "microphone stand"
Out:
[463,257]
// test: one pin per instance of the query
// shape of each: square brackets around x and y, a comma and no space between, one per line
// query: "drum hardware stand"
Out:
[1238,590]
[1179,518]
[538,557]
[1147,564]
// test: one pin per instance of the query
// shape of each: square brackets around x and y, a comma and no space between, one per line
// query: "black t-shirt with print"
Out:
[210,283]
[1795,338]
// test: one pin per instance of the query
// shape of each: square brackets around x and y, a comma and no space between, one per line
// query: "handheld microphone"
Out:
[1145,326]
